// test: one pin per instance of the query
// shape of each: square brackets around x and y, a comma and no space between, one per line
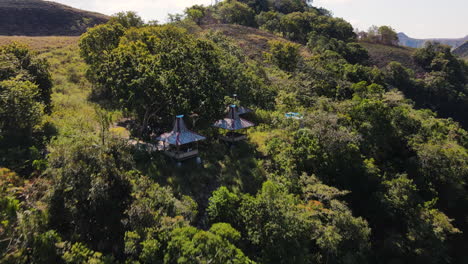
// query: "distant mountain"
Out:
[43,18]
[462,51]
[419,43]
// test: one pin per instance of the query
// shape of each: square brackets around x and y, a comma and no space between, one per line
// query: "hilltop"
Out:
[254,42]
[462,51]
[44,18]
[381,55]
[405,40]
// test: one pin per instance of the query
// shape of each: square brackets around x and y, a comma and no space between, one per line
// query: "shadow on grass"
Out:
[235,167]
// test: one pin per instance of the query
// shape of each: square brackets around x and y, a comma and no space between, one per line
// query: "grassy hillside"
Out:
[381,55]
[43,18]
[41,44]
[253,41]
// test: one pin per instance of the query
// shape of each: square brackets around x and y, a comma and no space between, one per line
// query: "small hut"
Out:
[240,109]
[180,143]
[233,123]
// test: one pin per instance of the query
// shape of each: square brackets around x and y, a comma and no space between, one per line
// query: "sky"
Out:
[416,18]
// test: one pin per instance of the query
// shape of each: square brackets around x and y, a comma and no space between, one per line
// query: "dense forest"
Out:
[374,171]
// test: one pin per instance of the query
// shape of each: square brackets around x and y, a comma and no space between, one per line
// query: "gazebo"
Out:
[178,143]
[240,109]
[233,123]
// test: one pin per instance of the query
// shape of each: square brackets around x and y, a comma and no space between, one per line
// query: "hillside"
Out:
[41,44]
[381,55]
[252,41]
[405,40]
[43,18]
[115,146]
[462,51]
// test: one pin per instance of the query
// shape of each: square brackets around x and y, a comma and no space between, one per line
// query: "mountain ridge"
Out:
[45,18]
[405,40]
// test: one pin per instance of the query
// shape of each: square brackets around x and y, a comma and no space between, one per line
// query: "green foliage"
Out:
[97,42]
[169,67]
[285,55]
[87,179]
[189,245]
[235,12]
[196,13]
[20,111]
[258,5]
[25,98]
[127,19]
[151,203]
[9,206]
[79,254]
[298,25]
[405,169]
[284,6]
[383,35]
[19,63]
[21,116]
[443,88]
[45,248]
[241,77]
[277,222]
[222,206]
[269,21]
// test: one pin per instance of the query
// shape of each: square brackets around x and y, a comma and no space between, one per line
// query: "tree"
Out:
[257,5]
[444,86]
[234,12]
[223,206]
[287,230]
[425,229]
[298,25]
[78,253]
[87,179]
[20,111]
[388,36]
[21,116]
[270,21]
[127,19]
[19,63]
[189,245]
[160,72]
[99,41]
[289,6]
[383,35]
[285,55]
[196,13]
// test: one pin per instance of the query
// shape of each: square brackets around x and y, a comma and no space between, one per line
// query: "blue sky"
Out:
[417,18]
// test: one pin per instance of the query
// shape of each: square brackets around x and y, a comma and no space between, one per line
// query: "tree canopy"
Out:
[350,161]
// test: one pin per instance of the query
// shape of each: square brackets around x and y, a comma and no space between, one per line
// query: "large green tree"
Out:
[18,62]
[89,192]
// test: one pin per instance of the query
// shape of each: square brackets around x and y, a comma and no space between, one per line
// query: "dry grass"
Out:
[381,55]
[253,41]
[41,44]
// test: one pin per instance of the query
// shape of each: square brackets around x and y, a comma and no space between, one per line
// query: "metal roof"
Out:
[233,121]
[180,134]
